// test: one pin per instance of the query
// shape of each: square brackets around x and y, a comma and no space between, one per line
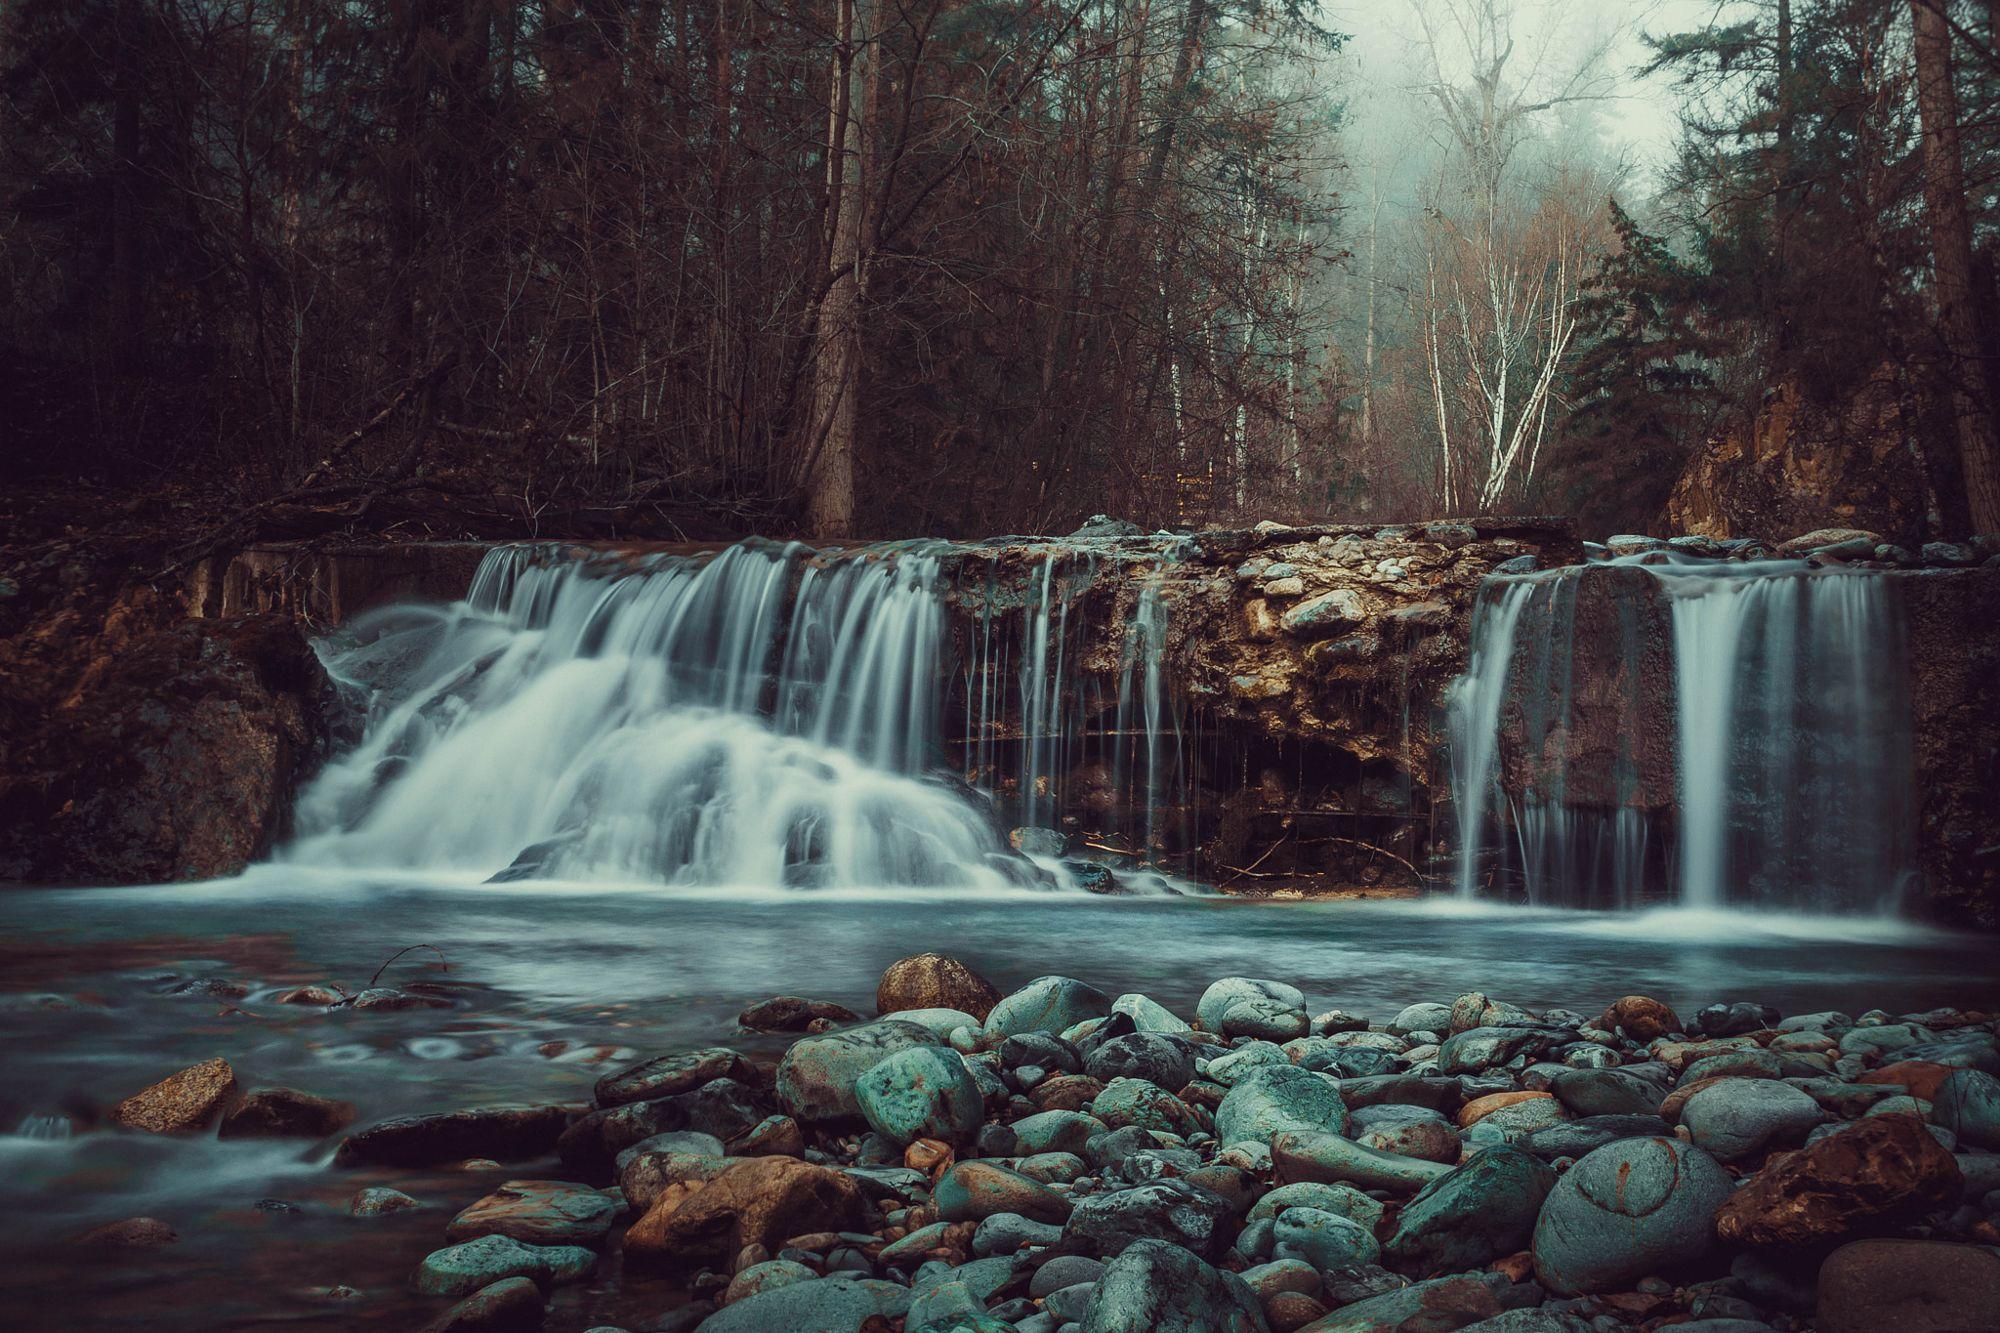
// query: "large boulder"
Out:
[1628,1209]
[816,1079]
[503,1133]
[1879,1172]
[1323,1239]
[1484,1210]
[1047,1004]
[1155,1286]
[934,981]
[840,1303]
[1164,1060]
[1169,1210]
[1275,1099]
[1298,1155]
[759,1201]
[1910,1286]
[539,1212]
[1640,1017]
[1440,1304]
[671,1074]
[723,1109]
[925,1092]
[284,1113]
[1608,1092]
[1247,1007]
[179,1103]
[1968,1104]
[973,1191]
[459,1270]
[1739,1118]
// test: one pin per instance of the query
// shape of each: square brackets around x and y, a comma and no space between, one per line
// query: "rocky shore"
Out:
[1061,1160]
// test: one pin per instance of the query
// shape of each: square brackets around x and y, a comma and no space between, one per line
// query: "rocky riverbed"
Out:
[1061,1159]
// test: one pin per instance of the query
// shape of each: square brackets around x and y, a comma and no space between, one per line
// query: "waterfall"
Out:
[766,715]
[1785,780]
[658,718]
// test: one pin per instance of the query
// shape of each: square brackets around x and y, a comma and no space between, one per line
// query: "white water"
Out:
[1792,749]
[765,717]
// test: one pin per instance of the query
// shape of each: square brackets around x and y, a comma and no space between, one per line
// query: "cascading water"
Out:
[763,716]
[1783,784]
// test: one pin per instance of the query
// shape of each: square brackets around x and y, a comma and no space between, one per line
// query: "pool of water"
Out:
[552,984]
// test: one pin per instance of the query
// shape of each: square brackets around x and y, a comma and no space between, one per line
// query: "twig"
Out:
[442,961]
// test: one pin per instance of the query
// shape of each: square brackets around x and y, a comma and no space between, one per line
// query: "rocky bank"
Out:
[1060,1160]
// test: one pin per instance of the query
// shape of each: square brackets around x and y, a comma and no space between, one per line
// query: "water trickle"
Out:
[1786,780]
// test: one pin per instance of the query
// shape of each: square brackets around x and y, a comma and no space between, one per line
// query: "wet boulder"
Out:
[539,1212]
[179,1103]
[671,1074]
[502,1133]
[1442,1303]
[1332,1159]
[1881,1171]
[1155,1286]
[458,1270]
[1640,1017]
[816,1079]
[511,1305]
[924,1092]
[282,1113]
[1170,1210]
[1483,1210]
[1134,1101]
[759,1201]
[1740,1118]
[1323,1239]
[1277,1099]
[1967,1103]
[1589,1092]
[1630,1208]
[975,1190]
[1913,1286]
[724,1109]
[1248,1007]
[1047,1004]
[934,981]
[838,1303]
[1163,1060]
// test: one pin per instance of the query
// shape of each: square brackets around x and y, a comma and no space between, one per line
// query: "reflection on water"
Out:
[551,983]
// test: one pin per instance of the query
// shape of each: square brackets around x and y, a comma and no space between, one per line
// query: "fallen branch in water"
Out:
[442,961]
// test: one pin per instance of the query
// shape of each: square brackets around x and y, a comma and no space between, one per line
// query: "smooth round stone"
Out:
[1004,1233]
[1134,1101]
[1051,1168]
[838,1304]
[1276,1099]
[767,1276]
[817,1077]
[1968,1104]
[1239,1063]
[1607,1092]
[1323,1239]
[1410,1131]
[1739,1118]
[1515,1122]
[1158,1287]
[1628,1209]
[1345,1200]
[1478,1049]
[1055,1132]
[922,1093]
[1047,1004]
[1149,1015]
[1157,1059]
[1483,1211]
[1170,1210]
[1424,1017]
[972,1191]
[1248,1007]
[941,1022]
[459,1270]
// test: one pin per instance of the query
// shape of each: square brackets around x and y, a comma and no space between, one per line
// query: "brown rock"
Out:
[1910,1286]
[128,1233]
[1479,1108]
[539,1212]
[1289,1311]
[496,1133]
[760,1201]
[1642,1017]
[512,1305]
[180,1102]
[280,1113]
[1066,1092]
[931,1156]
[1919,1078]
[773,1136]
[1879,1172]
[934,981]
[320,995]
[790,1013]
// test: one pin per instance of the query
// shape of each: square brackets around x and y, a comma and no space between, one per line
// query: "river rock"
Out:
[1275,1099]
[769,1275]
[1732,1020]
[1247,1007]
[816,1079]
[1323,1239]
[1055,1132]
[1242,1061]
[724,1109]
[924,1092]
[1442,1303]
[1482,1211]
[1331,1159]
[1877,1172]
[511,1305]
[1345,1200]
[934,981]
[501,1133]
[1967,1102]
[1047,1004]
[1170,1210]
[179,1103]
[1155,1286]
[1626,1210]
[1410,1131]
[1640,1017]
[457,1270]
[1574,1138]
[972,1191]
[759,1201]
[1158,1059]
[539,1212]
[1607,1092]
[127,1233]
[836,1304]
[672,1074]
[1740,1118]
[282,1113]
[1148,1015]
[1910,1286]
[793,1013]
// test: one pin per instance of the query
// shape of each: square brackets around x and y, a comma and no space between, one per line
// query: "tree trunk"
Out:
[837,355]
[1951,263]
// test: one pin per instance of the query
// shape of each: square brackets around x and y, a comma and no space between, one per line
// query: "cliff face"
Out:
[1803,465]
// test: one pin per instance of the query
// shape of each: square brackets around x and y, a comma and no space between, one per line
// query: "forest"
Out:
[899,267]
